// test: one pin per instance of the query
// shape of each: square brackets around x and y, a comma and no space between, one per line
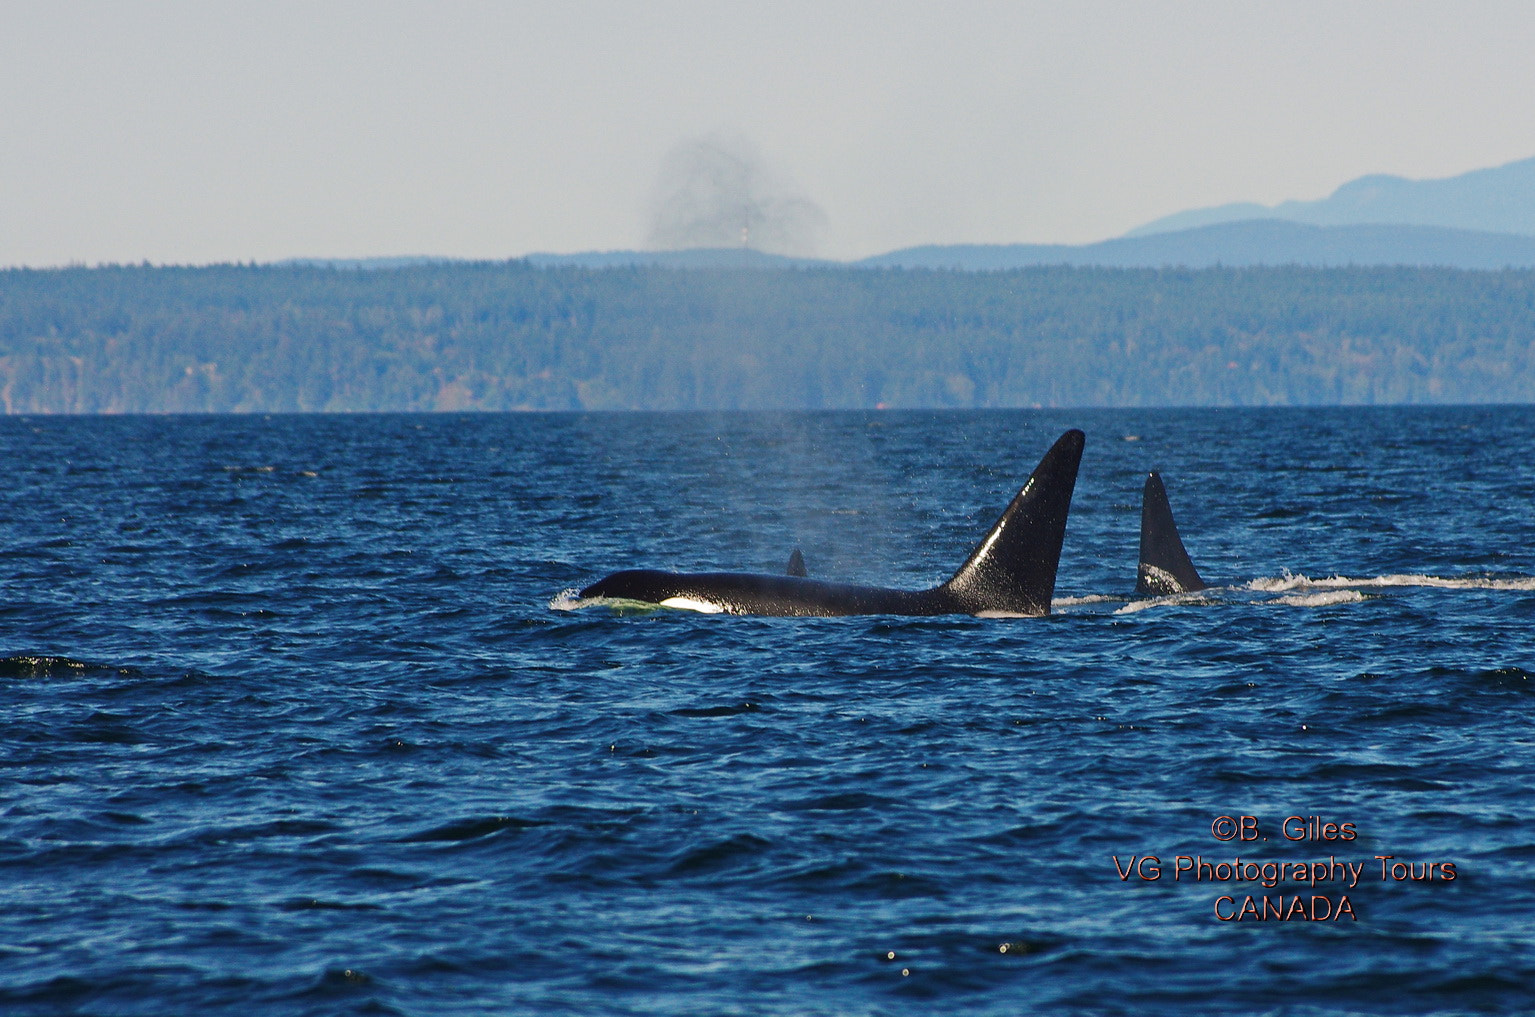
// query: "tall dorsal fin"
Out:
[1165,567]
[1012,569]
[796,565]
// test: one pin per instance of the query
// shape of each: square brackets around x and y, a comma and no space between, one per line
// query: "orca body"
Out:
[1010,572]
[1165,568]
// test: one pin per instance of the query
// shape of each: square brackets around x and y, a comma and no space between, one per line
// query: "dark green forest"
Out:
[512,336]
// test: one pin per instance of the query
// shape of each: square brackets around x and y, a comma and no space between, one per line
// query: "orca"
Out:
[1165,568]
[1011,572]
[796,565]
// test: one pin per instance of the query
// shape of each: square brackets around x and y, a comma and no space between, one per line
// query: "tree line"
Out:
[513,336]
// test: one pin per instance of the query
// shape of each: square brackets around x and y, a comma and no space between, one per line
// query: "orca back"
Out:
[1011,571]
[1164,567]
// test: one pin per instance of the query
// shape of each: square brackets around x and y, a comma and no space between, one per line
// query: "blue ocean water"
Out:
[299,718]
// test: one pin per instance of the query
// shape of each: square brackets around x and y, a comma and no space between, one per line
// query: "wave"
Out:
[1092,598]
[1323,599]
[1303,591]
[1288,582]
[1173,600]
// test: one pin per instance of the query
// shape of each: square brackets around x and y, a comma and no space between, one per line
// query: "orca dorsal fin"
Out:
[1012,569]
[1164,567]
[796,565]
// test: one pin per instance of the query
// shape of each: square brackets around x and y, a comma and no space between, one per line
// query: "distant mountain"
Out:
[1484,219]
[1496,200]
[986,257]
[1238,244]
[1263,241]
[1235,244]
[696,257]
[368,264]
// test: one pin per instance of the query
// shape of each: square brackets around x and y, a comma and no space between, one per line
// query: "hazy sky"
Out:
[192,131]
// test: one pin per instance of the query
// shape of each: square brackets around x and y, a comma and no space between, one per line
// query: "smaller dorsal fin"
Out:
[1165,567]
[797,565]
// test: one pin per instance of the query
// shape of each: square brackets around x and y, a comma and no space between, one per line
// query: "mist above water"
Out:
[719,191]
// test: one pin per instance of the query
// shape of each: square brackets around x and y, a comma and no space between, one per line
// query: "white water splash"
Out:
[1288,582]
[1323,599]
[1174,600]
[569,600]
[1060,602]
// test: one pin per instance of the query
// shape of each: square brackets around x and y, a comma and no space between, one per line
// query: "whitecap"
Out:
[1288,582]
[1325,599]
[1092,598]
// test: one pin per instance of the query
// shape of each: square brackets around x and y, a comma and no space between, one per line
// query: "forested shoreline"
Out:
[512,336]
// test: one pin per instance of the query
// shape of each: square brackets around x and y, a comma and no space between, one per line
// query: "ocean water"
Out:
[300,717]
